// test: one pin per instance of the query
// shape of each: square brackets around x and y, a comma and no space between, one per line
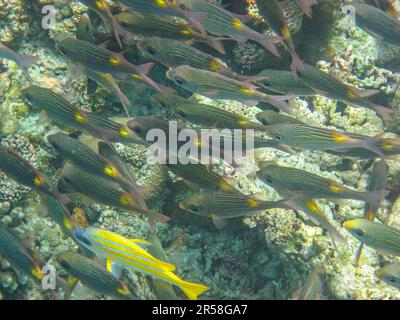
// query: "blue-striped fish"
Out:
[129,254]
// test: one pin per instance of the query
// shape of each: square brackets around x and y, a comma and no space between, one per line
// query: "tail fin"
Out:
[297,65]
[217,45]
[336,235]
[305,6]
[269,44]
[374,198]
[117,31]
[193,290]
[124,100]
[145,68]
[156,216]
[384,113]
[374,144]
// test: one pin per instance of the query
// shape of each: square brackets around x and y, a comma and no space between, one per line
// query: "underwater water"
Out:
[193,149]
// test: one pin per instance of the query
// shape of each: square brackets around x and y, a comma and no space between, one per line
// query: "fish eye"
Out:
[193,208]
[392,280]
[151,51]
[179,81]
[137,130]
[359,233]
[64,264]
[182,114]
[277,137]
[269,180]
[182,6]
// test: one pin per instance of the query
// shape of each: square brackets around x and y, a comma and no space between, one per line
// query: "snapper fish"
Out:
[101,60]
[217,86]
[129,254]
[92,275]
[381,237]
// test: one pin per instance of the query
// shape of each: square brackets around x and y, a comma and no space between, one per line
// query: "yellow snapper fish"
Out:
[128,253]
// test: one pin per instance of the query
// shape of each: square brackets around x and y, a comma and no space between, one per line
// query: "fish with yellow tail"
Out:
[381,237]
[130,254]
